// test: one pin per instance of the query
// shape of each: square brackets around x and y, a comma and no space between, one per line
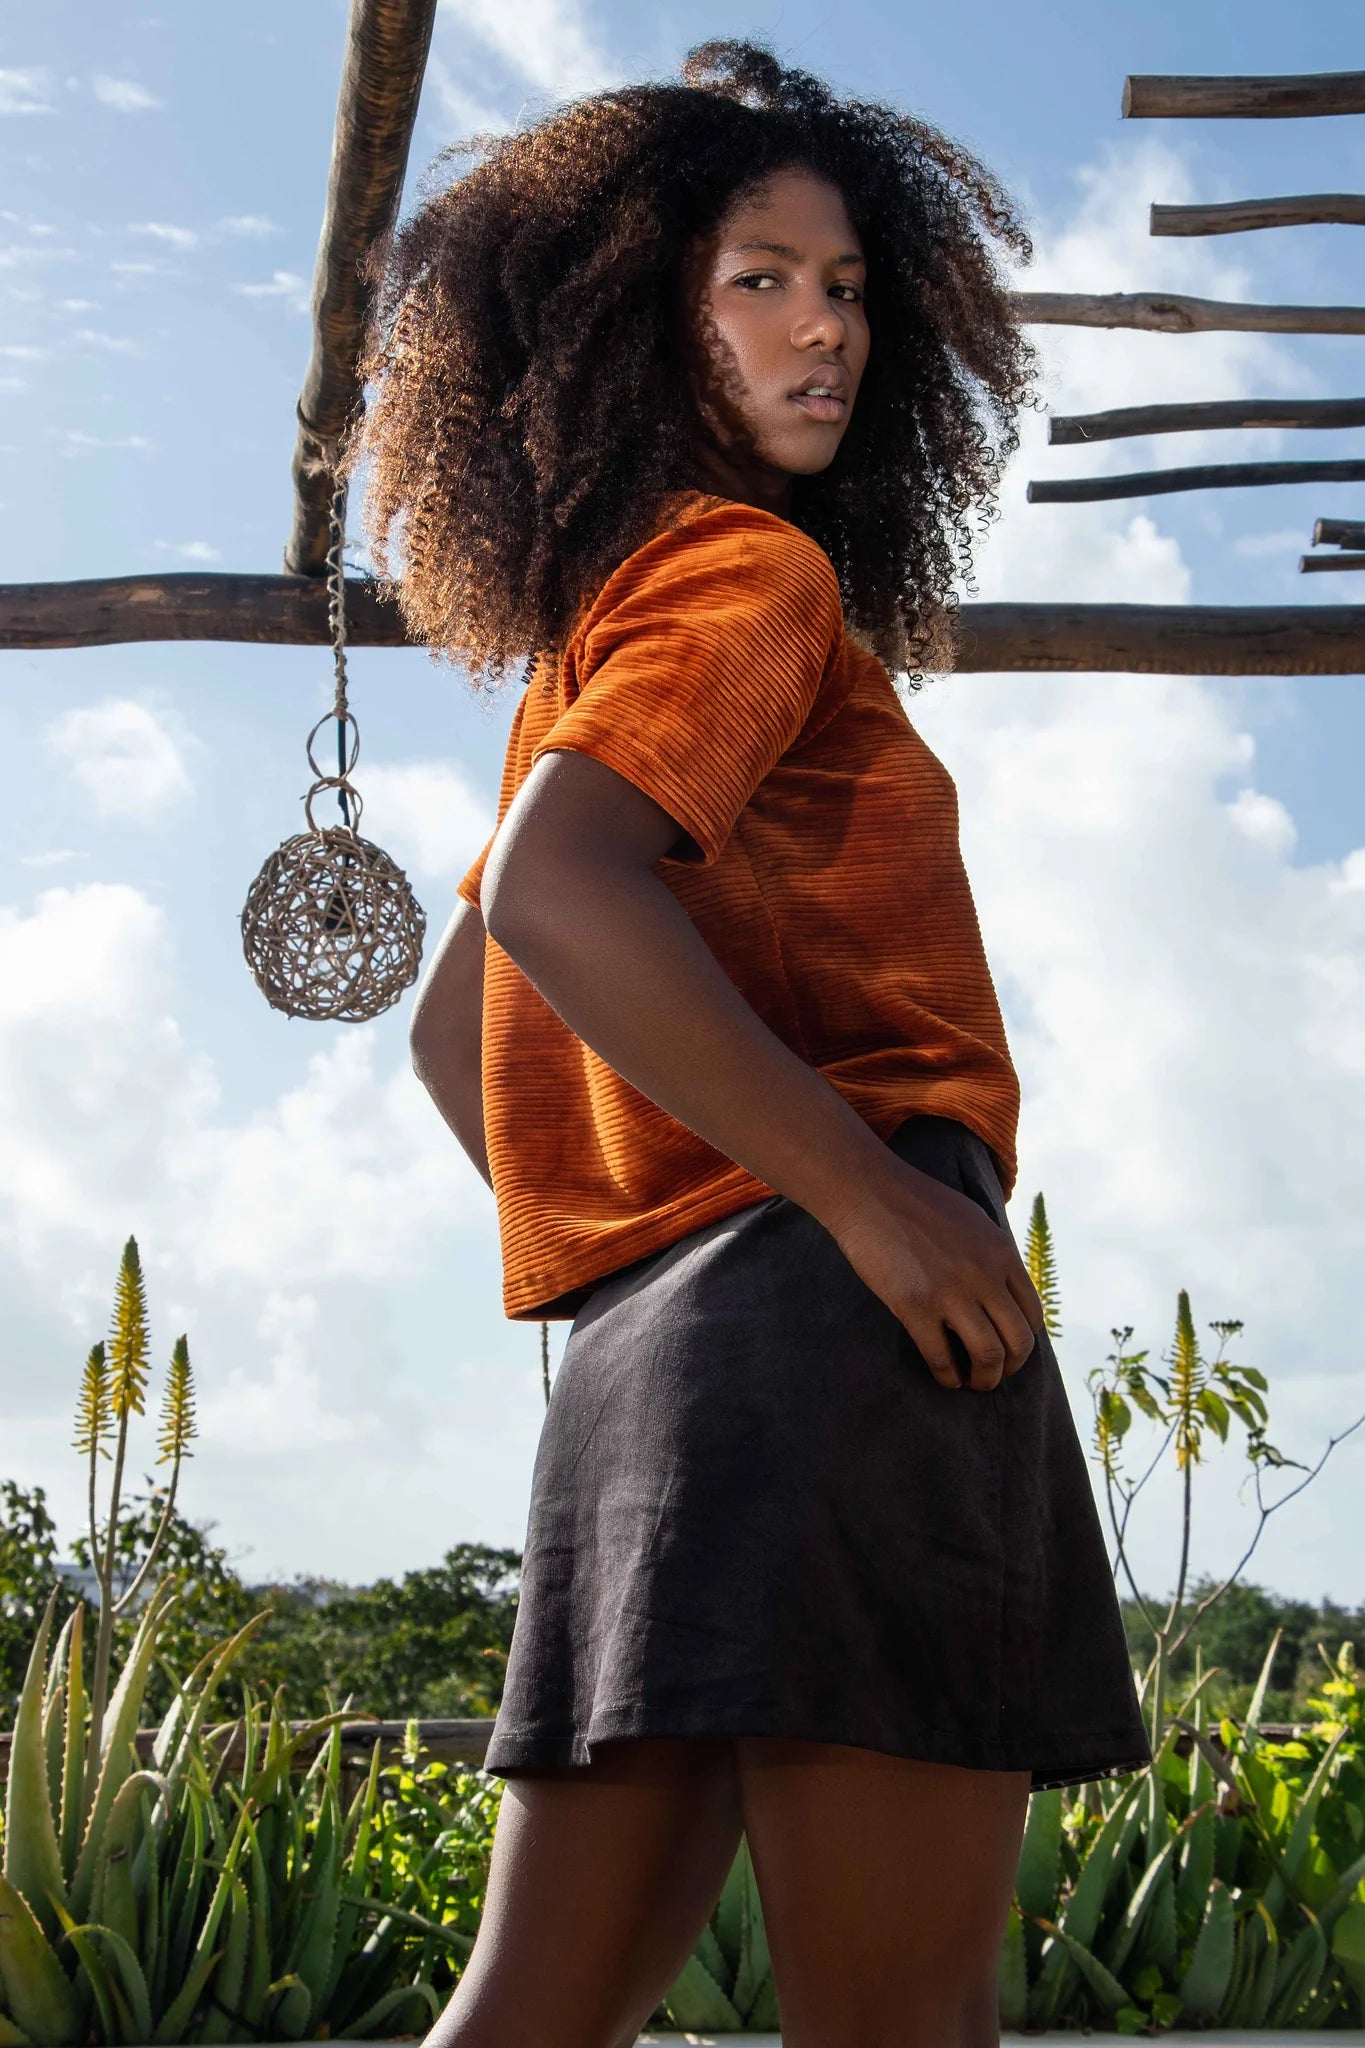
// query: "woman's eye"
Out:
[854,292]
[753,278]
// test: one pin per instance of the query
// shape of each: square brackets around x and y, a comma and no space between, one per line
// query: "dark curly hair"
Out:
[531,414]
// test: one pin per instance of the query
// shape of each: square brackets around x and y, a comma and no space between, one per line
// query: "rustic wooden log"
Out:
[1176,313]
[386,52]
[191,605]
[452,1742]
[1169,640]
[1208,476]
[292,611]
[1309,563]
[1205,415]
[1243,216]
[1339,533]
[1172,97]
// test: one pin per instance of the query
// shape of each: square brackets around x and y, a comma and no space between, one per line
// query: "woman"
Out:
[689,391]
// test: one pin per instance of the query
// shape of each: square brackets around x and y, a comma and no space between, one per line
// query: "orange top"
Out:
[713,671]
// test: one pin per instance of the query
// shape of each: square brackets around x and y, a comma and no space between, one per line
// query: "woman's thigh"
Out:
[886,1886]
[602,1878]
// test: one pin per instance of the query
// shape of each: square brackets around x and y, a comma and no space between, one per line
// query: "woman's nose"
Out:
[821,325]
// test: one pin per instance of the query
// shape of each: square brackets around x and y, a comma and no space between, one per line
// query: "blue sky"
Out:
[1170,872]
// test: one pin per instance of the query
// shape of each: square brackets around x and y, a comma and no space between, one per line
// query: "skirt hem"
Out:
[1101,1753]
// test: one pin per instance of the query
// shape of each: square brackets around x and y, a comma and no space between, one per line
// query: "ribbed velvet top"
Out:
[822,868]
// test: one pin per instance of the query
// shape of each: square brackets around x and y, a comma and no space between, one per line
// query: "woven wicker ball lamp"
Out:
[331,929]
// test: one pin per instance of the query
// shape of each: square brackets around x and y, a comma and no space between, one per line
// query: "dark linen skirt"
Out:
[755,1512]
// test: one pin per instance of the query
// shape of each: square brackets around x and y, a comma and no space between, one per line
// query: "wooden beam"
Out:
[1205,415]
[1309,563]
[292,611]
[1175,313]
[1164,640]
[381,79]
[104,611]
[1209,476]
[1242,216]
[1167,97]
[1339,533]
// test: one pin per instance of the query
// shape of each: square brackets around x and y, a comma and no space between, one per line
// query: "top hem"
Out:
[736,1189]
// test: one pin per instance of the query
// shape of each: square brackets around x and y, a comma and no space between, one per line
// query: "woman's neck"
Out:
[749,483]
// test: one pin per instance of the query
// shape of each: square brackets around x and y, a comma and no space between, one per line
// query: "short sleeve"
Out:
[700,663]
[472,879]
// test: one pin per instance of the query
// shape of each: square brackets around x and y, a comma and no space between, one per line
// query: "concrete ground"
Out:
[1214,2038]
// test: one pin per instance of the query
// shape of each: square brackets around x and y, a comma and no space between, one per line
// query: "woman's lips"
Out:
[819,408]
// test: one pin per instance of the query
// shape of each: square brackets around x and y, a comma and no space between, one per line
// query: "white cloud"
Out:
[248,224]
[1289,541]
[288,1410]
[546,44]
[284,284]
[107,344]
[78,305]
[191,550]
[25,90]
[77,440]
[123,95]
[58,858]
[427,814]
[12,383]
[163,231]
[23,352]
[126,758]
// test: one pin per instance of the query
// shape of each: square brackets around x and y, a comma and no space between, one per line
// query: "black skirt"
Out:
[754,1511]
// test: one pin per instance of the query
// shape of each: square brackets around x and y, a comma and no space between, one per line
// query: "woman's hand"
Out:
[946,1271]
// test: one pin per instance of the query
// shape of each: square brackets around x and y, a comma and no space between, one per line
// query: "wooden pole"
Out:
[1255,99]
[386,52]
[1175,313]
[1209,476]
[105,611]
[1242,216]
[1339,533]
[1072,429]
[292,611]
[1309,563]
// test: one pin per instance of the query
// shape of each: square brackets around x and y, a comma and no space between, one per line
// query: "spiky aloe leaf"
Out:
[184,1719]
[73,1761]
[177,1428]
[1135,1914]
[1041,1261]
[12,2036]
[287,2012]
[225,1999]
[120,1978]
[1106,1988]
[113,1895]
[1204,1985]
[1038,1876]
[1348,1947]
[366,2028]
[727,1919]
[174,2024]
[320,1901]
[128,1337]
[696,2004]
[1302,1833]
[38,1994]
[754,1961]
[117,1747]
[1012,1973]
[32,1862]
[764,2017]
[1101,1873]
[54,1730]
[1301,1971]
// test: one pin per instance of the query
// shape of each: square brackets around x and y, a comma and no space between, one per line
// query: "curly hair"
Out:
[532,357]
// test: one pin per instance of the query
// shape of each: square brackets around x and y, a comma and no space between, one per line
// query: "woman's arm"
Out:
[446,1033]
[570,893]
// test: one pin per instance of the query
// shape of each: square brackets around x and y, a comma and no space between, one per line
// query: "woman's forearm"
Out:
[612,950]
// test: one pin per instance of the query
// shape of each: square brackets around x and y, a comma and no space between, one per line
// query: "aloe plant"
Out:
[726,1985]
[170,1901]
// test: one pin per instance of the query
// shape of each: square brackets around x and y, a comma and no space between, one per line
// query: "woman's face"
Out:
[779,289]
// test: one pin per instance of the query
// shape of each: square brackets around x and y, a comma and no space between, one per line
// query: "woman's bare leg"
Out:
[886,1885]
[603,1876]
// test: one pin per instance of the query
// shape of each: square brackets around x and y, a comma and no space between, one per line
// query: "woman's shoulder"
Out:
[718,553]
